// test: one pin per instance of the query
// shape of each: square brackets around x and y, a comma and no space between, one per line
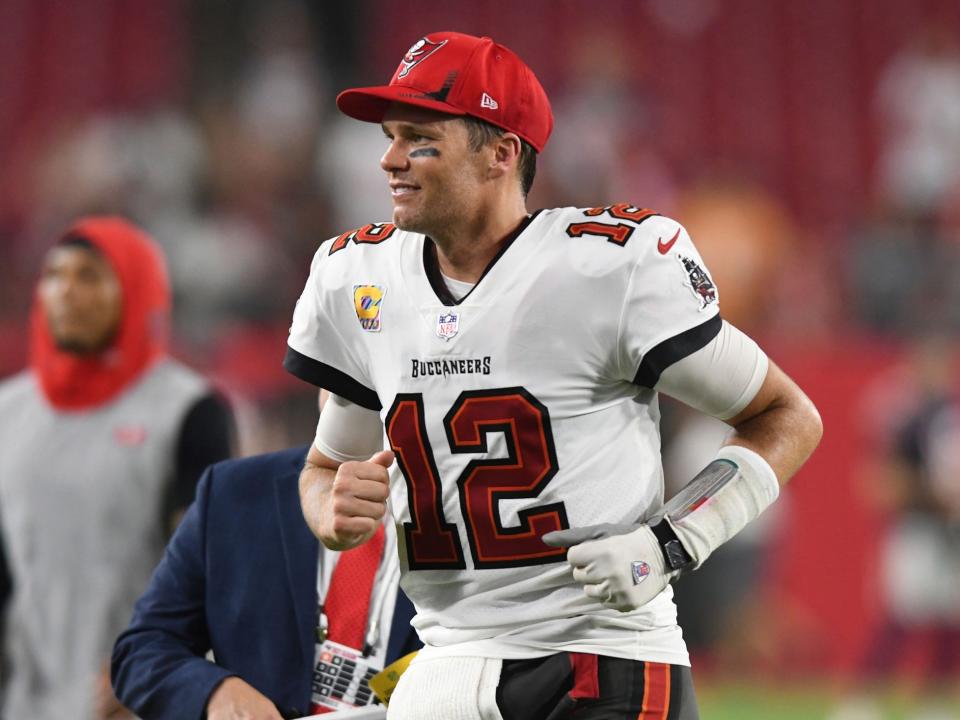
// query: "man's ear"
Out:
[506,154]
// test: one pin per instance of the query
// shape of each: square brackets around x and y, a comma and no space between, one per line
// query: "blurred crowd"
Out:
[243,167]
[240,166]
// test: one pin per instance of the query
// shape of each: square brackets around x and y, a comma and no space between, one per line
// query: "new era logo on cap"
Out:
[460,74]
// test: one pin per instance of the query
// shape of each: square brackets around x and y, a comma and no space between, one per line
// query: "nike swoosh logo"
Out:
[664,247]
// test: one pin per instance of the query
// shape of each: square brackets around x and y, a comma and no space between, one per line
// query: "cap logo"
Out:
[418,52]
[488,102]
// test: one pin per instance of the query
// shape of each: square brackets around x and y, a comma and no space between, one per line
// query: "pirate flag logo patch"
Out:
[699,282]
[418,52]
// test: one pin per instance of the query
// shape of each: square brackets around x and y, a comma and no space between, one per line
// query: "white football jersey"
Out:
[523,408]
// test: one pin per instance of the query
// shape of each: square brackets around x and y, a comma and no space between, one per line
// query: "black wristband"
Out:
[675,555]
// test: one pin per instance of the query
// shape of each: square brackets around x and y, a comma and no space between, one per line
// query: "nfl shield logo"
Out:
[640,571]
[448,325]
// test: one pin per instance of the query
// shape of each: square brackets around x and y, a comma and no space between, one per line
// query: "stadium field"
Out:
[720,701]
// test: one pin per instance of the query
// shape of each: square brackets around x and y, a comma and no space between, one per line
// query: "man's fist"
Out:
[356,502]
[622,566]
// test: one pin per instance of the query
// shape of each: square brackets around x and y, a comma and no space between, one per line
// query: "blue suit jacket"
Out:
[238,577]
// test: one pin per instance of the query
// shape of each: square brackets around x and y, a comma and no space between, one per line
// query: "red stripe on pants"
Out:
[656,691]
[586,683]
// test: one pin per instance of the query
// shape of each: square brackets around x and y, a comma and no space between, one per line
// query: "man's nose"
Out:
[395,157]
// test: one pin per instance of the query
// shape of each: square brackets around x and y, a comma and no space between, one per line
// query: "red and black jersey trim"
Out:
[329,378]
[673,349]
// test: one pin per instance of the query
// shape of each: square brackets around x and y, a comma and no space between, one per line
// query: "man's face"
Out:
[81,298]
[436,179]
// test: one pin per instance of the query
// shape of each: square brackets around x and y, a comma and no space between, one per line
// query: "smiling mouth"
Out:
[402,191]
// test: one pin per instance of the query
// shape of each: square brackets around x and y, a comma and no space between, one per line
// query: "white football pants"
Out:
[452,688]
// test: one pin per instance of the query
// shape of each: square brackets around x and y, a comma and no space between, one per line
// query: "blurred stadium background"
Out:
[811,148]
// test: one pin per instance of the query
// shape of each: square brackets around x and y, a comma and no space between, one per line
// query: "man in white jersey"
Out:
[513,362]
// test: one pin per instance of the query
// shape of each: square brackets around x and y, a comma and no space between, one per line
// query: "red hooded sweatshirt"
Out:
[80,382]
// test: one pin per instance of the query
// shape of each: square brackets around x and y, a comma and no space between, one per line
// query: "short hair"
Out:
[480,132]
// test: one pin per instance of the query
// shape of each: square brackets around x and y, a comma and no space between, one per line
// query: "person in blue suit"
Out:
[239,578]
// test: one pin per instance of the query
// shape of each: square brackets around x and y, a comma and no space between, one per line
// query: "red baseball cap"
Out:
[461,75]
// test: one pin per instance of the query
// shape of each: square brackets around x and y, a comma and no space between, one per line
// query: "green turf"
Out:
[744,703]
[740,702]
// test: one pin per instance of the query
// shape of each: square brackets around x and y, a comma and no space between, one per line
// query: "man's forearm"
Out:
[781,425]
[784,436]
[315,485]
[773,436]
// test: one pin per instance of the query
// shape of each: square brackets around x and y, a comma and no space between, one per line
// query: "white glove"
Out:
[622,566]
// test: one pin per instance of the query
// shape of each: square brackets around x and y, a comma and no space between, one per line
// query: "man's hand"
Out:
[106,705]
[346,506]
[236,700]
[620,565]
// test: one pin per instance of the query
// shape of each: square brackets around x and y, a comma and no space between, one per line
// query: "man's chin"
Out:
[404,221]
[78,346]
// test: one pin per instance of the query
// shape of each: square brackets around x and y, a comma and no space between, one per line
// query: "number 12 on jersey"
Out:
[433,542]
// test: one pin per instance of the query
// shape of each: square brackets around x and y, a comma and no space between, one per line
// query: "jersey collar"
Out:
[432,267]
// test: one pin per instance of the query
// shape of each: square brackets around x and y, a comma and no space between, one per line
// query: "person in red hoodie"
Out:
[102,440]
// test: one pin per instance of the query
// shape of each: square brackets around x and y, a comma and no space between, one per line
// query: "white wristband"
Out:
[708,517]
[348,432]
